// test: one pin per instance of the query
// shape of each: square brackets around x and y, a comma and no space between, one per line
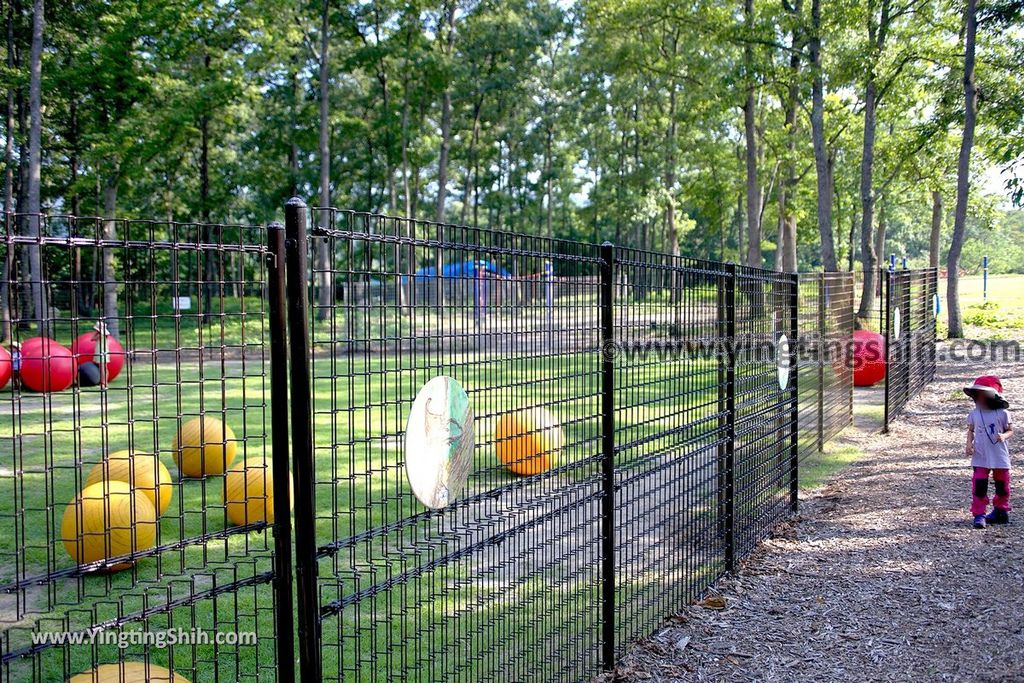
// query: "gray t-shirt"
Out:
[989,451]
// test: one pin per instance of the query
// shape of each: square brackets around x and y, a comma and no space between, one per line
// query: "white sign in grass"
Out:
[439,442]
[182,303]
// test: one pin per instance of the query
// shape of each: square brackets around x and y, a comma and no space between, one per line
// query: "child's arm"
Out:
[970,440]
[1005,436]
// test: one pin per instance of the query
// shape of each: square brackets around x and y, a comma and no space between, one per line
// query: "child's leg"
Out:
[979,491]
[1002,482]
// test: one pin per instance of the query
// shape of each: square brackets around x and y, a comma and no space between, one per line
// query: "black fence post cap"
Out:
[296,201]
[275,225]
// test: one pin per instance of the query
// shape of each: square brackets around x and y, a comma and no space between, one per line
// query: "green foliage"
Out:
[595,119]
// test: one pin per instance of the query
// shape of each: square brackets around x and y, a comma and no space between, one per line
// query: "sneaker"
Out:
[979,521]
[997,516]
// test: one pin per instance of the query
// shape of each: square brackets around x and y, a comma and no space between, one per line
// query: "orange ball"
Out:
[528,441]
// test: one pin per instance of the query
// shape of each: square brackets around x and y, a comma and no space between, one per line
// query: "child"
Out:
[988,430]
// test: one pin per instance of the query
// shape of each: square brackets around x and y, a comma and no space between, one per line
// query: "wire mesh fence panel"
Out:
[670,434]
[766,430]
[836,358]
[825,371]
[909,318]
[457,520]
[139,377]
[811,360]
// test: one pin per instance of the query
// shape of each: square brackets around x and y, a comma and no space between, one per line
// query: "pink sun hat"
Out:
[988,384]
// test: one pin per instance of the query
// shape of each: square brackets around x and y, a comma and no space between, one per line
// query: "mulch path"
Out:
[879,577]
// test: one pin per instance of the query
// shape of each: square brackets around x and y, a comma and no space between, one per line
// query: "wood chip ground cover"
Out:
[879,577]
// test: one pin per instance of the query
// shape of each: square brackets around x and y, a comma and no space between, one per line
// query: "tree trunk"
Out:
[881,231]
[6,275]
[209,252]
[850,257]
[107,274]
[468,184]
[821,160]
[739,226]
[956,245]
[868,256]
[936,234]
[39,313]
[321,257]
[293,133]
[442,161]
[787,216]
[754,256]
[877,32]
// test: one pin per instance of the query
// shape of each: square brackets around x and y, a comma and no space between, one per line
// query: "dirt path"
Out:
[880,576]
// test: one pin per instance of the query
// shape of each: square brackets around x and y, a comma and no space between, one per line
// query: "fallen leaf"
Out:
[713,602]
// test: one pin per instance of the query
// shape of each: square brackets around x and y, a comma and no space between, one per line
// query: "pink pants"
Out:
[979,490]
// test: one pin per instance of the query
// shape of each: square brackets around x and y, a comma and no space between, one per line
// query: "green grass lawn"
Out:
[999,317]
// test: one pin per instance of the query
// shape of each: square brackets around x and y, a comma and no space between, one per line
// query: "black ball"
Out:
[88,375]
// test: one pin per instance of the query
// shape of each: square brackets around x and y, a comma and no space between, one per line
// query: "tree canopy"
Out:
[651,123]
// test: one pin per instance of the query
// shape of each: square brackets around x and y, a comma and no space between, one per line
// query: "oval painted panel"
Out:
[439,442]
[784,359]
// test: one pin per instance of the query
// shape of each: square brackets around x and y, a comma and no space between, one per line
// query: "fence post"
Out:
[283,602]
[794,392]
[608,456]
[730,410]
[302,442]
[722,306]
[887,304]
[822,348]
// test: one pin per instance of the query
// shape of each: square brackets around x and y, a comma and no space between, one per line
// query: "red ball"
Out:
[84,350]
[6,367]
[868,358]
[46,365]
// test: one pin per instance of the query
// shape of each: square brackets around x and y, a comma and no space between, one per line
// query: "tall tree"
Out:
[822,166]
[935,236]
[36,285]
[956,245]
[754,196]
[321,252]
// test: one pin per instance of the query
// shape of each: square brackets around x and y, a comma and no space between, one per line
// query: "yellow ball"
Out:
[204,445]
[108,519]
[129,672]
[249,492]
[528,441]
[143,470]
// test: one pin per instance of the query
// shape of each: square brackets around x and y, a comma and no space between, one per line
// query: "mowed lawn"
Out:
[1000,317]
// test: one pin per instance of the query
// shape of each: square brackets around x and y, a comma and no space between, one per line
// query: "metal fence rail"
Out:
[632,424]
[909,317]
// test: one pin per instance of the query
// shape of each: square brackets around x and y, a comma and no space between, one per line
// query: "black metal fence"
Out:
[632,425]
[909,319]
